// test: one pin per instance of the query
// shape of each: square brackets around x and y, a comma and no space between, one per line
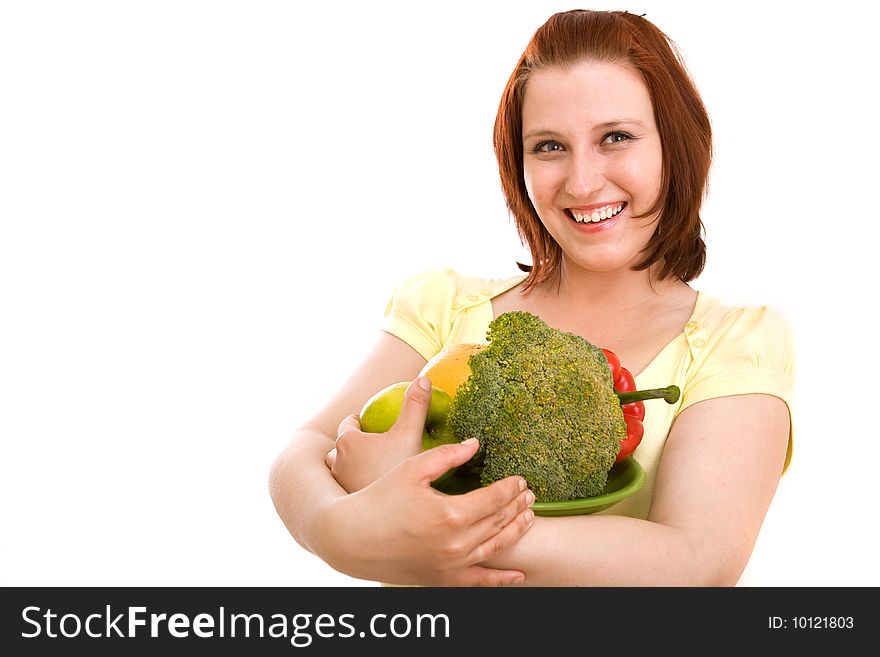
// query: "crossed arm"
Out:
[718,475]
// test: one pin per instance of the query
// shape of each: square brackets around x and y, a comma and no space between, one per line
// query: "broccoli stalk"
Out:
[543,405]
[669,393]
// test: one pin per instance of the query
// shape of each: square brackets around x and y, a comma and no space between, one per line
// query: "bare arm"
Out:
[717,477]
[397,529]
[300,483]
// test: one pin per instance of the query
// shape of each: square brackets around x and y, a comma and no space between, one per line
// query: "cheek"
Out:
[529,179]
[656,175]
[539,186]
[534,195]
[643,178]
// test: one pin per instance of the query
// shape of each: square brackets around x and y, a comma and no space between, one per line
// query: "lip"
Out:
[594,206]
[600,226]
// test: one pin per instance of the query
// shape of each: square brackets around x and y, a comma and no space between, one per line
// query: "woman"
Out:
[604,149]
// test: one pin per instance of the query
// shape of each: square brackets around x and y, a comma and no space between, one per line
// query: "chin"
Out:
[605,264]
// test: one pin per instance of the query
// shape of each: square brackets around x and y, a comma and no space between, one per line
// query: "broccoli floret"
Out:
[542,403]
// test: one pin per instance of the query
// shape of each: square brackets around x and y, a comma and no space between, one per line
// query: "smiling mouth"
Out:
[596,214]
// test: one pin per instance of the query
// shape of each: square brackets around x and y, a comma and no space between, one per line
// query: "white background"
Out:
[205,207]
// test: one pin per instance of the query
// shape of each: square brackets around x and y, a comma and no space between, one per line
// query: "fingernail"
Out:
[522,484]
[468,441]
[424,383]
[530,516]
[519,579]
[530,498]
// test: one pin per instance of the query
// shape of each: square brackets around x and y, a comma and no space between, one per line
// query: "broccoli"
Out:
[542,403]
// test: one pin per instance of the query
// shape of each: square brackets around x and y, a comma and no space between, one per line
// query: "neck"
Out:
[606,292]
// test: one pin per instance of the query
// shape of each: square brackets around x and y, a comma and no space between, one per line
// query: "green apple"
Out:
[382,410]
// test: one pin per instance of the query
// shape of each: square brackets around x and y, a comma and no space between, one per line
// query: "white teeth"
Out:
[597,215]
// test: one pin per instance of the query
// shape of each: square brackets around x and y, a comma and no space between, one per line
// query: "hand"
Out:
[361,458]
[400,530]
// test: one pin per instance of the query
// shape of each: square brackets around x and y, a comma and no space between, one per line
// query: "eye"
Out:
[547,146]
[617,137]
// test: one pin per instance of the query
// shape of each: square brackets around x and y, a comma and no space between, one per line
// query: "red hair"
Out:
[572,37]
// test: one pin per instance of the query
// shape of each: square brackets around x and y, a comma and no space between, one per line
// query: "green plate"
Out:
[624,479]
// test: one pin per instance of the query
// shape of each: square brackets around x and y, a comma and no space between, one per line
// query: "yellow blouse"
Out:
[722,351]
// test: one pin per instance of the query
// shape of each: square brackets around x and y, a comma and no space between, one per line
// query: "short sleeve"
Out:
[742,351]
[750,350]
[439,307]
[420,310]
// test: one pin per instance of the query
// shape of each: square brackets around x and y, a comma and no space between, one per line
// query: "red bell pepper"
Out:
[632,403]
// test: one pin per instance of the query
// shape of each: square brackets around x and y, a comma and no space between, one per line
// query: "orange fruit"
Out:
[449,368]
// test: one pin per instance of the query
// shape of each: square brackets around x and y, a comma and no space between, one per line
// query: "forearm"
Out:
[612,551]
[301,486]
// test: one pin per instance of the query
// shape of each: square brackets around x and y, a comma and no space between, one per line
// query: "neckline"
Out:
[701,306]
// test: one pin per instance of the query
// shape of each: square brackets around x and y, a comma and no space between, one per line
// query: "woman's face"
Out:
[592,160]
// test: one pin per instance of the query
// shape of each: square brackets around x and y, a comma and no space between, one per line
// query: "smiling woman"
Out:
[588,178]
[603,148]
[638,90]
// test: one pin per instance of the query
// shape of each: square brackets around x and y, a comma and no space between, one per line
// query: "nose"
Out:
[585,175]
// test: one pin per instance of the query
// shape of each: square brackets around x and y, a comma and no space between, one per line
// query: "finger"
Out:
[411,421]
[482,576]
[430,464]
[349,423]
[330,459]
[489,500]
[487,527]
[517,519]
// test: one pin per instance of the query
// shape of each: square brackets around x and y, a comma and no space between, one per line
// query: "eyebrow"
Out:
[607,125]
[541,133]
[619,122]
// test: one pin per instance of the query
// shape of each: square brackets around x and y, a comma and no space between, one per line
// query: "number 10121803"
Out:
[810,623]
